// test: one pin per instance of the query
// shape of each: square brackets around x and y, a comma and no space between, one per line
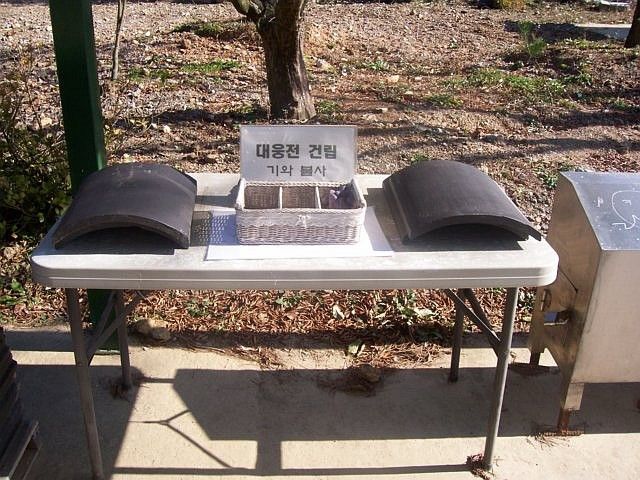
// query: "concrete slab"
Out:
[206,414]
[613,31]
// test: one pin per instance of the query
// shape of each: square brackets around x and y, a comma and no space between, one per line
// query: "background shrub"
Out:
[508,4]
[34,179]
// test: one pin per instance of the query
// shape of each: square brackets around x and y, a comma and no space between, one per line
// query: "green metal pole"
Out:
[74,45]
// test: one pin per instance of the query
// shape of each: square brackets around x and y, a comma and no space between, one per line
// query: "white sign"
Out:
[300,153]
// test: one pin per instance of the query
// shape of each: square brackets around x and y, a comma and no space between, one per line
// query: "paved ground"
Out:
[204,414]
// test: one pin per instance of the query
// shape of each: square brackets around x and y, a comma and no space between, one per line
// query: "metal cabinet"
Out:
[589,317]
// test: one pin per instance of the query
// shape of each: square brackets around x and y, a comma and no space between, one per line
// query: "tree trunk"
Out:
[287,80]
[633,39]
[115,53]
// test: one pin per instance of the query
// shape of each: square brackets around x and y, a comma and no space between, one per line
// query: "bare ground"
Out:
[421,80]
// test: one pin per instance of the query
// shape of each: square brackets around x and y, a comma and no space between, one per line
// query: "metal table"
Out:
[459,259]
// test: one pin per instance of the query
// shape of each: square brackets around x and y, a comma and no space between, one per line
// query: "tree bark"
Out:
[279,24]
[633,38]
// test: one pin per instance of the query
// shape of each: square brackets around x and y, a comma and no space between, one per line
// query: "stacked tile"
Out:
[18,444]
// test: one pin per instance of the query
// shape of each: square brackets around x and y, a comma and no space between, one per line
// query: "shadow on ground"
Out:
[204,410]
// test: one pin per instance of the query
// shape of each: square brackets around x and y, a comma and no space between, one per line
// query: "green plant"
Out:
[534,46]
[583,44]
[198,309]
[202,29]
[34,177]
[526,301]
[508,4]
[418,157]
[327,107]
[218,30]
[377,65]
[402,305]
[623,105]
[531,89]
[583,79]
[405,303]
[212,67]
[632,54]
[15,293]
[548,177]
[388,92]
[444,100]
[288,301]
[137,74]
[417,70]
[249,112]
[549,174]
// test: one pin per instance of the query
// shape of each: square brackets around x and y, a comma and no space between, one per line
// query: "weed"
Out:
[402,305]
[34,175]
[218,30]
[496,290]
[568,104]
[327,107]
[549,175]
[15,294]
[288,301]
[376,65]
[210,68]
[138,74]
[355,348]
[532,89]
[202,29]
[632,54]
[416,70]
[526,302]
[624,105]
[198,309]
[583,44]
[525,29]
[389,93]
[583,79]
[405,304]
[444,100]
[248,113]
[534,47]
[418,157]
[508,4]
[337,313]
[486,77]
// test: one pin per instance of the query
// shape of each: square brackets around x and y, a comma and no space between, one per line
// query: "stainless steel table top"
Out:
[458,257]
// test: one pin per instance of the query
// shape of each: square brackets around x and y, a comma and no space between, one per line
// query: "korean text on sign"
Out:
[280,151]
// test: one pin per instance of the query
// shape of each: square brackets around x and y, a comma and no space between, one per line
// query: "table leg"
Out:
[570,402]
[458,329]
[123,342]
[500,379]
[84,382]
[534,359]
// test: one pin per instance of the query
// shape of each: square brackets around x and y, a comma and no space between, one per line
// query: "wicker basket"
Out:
[299,213]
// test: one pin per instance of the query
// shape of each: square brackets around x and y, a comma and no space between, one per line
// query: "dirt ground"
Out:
[421,80]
